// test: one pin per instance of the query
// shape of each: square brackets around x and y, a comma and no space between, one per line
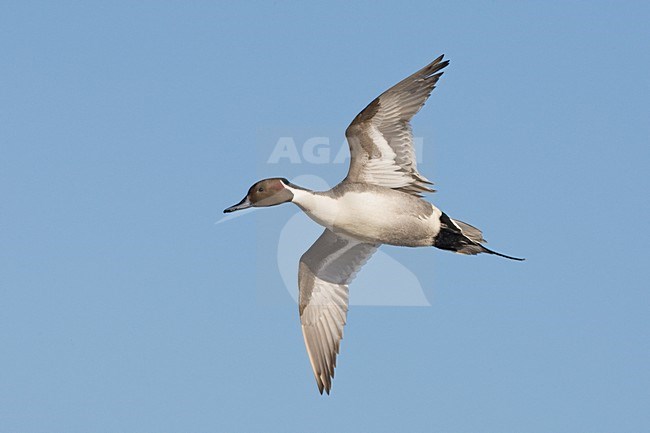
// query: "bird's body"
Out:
[379,202]
[371,213]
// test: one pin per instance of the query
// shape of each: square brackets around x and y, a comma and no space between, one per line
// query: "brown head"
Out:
[267,192]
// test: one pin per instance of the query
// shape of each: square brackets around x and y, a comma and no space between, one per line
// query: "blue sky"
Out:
[126,128]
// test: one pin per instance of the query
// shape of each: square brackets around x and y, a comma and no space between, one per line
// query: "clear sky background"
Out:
[126,128]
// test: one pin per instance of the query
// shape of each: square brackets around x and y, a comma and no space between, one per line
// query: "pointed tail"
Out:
[489,251]
[463,238]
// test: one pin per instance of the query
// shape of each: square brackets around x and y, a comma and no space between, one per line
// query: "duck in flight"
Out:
[379,202]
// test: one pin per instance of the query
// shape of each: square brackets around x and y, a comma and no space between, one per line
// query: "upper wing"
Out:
[380,137]
[324,273]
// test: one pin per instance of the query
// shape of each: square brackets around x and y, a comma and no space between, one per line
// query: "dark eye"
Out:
[260,189]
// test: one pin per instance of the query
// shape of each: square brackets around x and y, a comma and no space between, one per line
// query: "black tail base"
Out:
[451,238]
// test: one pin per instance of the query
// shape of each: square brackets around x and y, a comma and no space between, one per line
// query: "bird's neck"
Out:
[301,196]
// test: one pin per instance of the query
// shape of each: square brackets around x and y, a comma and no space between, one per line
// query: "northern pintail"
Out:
[379,202]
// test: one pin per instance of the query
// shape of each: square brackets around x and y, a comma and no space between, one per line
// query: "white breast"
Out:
[322,209]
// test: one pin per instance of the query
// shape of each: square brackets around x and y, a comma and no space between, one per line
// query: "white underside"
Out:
[370,217]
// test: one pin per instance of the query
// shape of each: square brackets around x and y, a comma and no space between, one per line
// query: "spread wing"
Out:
[324,273]
[380,137]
